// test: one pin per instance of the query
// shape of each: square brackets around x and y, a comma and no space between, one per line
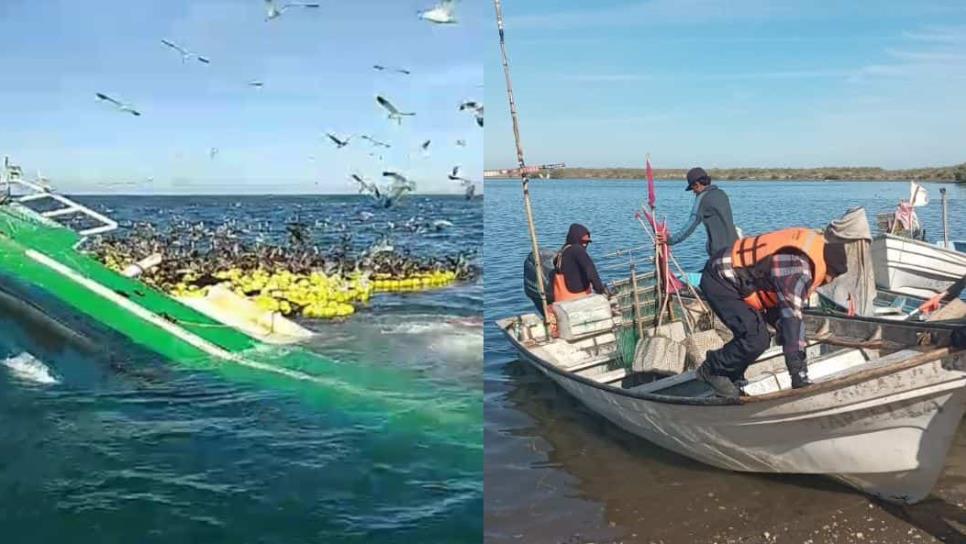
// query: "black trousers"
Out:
[751,337]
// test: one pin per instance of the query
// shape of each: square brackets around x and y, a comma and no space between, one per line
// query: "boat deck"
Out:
[596,358]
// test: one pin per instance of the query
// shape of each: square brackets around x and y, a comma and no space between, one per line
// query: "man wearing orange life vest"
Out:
[574,271]
[766,277]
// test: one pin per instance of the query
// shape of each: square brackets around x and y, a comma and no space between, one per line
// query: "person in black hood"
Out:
[574,271]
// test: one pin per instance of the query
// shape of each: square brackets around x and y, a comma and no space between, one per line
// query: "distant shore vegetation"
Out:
[955,173]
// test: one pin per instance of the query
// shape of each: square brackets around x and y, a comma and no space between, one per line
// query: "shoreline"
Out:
[725,180]
[952,174]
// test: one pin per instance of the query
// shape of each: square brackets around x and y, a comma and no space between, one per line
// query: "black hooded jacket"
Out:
[575,264]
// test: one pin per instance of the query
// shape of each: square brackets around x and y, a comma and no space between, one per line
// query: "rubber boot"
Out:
[721,385]
[798,370]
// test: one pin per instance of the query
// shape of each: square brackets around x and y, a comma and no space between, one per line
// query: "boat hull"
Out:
[915,268]
[908,419]
[55,271]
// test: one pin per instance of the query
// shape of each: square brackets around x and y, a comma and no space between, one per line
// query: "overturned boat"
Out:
[887,401]
[41,264]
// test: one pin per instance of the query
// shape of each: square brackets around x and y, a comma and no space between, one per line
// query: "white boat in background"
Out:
[881,421]
[915,268]
[955,245]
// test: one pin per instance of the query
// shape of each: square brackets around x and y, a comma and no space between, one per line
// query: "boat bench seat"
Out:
[880,362]
[611,376]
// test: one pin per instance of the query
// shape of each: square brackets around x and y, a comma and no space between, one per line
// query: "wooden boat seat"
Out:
[591,363]
[827,367]
[610,376]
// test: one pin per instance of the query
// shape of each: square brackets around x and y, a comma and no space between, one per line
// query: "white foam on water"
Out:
[415,328]
[27,367]
[462,344]
[439,325]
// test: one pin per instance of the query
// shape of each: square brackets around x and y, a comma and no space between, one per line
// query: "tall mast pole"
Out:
[945,216]
[522,164]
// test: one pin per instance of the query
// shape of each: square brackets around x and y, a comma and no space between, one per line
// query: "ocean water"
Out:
[556,472]
[104,442]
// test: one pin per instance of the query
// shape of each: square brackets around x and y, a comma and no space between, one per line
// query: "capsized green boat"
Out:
[38,251]
[42,254]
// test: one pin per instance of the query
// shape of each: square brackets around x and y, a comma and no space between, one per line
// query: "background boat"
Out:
[913,267]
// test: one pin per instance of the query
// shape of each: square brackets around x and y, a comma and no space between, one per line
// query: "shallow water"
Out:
[385,446]
[556,472]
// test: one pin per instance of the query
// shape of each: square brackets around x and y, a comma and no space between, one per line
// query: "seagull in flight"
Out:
[399,187]
[399,181]
[394,114]
[257,84]
[212,152]
[365,186]
[425,145]
[119,105]
[441,14]
[185,54]
[461,143]
[455,176]
[391,69]
[476,108]
[275,11]
[375,142]
[469,187]
[339,144]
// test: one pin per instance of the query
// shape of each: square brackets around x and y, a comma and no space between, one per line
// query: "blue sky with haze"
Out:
[731,84]
[316,69]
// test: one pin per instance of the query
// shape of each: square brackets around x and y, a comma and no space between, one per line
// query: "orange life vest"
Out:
[751,259]
[560,291]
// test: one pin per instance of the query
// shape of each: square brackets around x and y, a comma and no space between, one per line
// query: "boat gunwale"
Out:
[884,236]
[822,387]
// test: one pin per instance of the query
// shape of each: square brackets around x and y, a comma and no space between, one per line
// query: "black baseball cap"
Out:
[695,175]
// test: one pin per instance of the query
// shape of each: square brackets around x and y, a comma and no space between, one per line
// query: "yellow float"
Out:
[315,295]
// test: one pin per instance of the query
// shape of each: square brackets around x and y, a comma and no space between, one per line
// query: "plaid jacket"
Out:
[790,277]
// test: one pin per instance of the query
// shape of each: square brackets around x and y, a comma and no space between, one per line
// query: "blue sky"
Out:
[730,84]
[316,69]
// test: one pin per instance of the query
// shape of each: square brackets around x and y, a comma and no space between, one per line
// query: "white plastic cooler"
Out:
[583,316]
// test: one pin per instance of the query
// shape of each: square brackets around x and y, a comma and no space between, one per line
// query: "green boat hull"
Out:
[41,253]
[39,258]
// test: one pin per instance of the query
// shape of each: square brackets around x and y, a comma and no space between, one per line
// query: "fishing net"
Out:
[626,345]
[627,335]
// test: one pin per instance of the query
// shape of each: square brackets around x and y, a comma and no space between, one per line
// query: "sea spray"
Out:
[28,368]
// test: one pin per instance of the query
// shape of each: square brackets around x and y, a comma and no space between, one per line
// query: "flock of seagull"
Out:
[444,12]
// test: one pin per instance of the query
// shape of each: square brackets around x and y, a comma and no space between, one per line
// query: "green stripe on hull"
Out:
[388,396]
[21,231]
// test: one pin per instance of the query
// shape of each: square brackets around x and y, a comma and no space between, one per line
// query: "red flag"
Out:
[668,279]
[651,194]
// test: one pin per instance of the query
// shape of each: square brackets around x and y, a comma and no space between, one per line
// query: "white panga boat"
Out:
[915,268]
[887,401]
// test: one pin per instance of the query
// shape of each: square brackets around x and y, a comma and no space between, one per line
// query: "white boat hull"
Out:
[888,437]
[915,268]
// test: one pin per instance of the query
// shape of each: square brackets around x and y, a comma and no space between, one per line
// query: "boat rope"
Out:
[677,265]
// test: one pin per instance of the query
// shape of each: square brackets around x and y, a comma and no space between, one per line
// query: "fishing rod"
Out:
[535,247]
